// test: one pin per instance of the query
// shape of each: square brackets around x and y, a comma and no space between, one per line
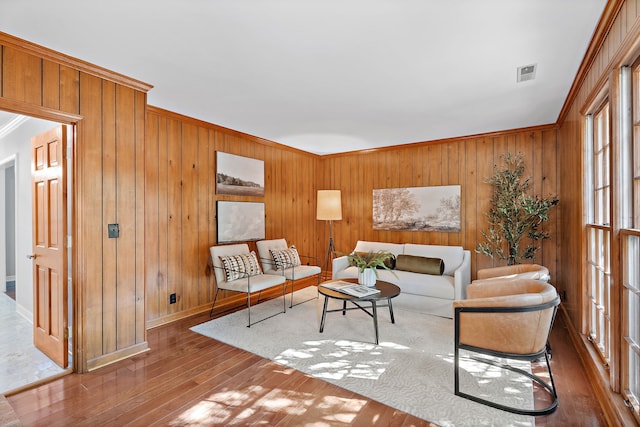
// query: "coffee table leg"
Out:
[324,313]
[393,320]
[375,318]
[344,308]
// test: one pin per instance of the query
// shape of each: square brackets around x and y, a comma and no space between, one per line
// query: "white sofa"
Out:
[432,294]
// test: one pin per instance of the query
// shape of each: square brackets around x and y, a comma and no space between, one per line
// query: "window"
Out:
[630,256]
[599,230]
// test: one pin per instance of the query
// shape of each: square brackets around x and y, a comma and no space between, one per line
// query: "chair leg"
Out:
[284,296]
[215,296]
[249,307]
[292,290]
[550,388]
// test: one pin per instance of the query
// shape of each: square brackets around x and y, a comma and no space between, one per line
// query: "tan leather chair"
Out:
[518,271]
[510,319]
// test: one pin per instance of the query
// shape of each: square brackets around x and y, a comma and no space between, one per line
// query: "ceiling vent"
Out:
[527,72]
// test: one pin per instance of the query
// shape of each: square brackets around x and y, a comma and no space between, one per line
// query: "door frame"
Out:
[76,313]
[5,163]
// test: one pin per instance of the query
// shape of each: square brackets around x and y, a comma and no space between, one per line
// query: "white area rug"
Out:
[411,369]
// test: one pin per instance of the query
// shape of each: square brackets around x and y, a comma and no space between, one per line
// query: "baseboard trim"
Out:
[116,356]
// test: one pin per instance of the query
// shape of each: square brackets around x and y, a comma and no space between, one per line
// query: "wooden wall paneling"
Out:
[20,71]
[269,191]
[51,85]
[471,207]
[276,195]
[190,223]
[630,14]
[368,171]
[406,179]
[139,212]
[298,208]
[485,158]
[174,225]
[125,194]
[361,197]
[352,197]
[287,206]
[455,168]
[205,193]
[393,181]
[571,216]
[437,166]
[110,216]
[382,182]
[423,159]
[305,199]
[550,186]
[153,276]
[89,164]
[69,89]
[211,204]
[162,286]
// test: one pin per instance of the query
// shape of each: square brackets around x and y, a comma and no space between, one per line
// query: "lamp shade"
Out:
[329,205]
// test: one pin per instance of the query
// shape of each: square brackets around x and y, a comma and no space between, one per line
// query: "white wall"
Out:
[18,144]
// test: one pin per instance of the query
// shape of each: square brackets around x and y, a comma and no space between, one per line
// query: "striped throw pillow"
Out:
[285,258]
[237,266]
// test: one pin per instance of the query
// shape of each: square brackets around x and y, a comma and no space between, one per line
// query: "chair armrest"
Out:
[338,265]
[501,287]
[462,277]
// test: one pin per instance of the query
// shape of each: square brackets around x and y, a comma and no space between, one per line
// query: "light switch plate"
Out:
[114,231]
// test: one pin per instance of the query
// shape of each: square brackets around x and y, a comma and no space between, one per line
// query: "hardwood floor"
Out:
[189,379]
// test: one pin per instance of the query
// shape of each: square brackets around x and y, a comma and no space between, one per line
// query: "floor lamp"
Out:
[329,209]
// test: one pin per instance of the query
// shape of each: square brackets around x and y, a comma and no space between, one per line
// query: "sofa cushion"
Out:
[285,258]
[426,285]
[411,283]
[237,266]
[452,256]
[420,264]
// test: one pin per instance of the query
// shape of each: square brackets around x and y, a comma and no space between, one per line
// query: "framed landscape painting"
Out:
[240,221]
[238,175]
[417,208]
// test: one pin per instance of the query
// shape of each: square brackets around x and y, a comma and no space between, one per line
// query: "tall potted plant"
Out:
[514,215]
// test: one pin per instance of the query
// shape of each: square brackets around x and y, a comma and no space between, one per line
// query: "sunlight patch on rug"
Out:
[410,370]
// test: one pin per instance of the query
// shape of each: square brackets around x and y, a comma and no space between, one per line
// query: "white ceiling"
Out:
[330,76]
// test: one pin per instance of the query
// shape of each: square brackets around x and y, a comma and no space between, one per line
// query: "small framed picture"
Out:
[239,176]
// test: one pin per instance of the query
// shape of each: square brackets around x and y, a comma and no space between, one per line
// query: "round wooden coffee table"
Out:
[387,291]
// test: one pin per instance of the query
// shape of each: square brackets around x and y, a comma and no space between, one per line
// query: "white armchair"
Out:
[237,269]
[279,258]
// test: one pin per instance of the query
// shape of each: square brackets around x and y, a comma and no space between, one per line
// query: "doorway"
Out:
[25,363]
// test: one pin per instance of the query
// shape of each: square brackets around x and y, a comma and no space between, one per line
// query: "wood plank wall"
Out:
[180,178]
[108,187]
[459,161]
[619,46]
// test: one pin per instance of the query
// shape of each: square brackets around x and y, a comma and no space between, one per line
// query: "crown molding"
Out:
[69,61]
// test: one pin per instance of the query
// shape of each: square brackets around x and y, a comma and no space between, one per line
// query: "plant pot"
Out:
[367,277]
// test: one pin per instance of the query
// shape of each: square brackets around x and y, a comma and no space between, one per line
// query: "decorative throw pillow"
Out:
[285,258]
[237,266]
[420,264]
